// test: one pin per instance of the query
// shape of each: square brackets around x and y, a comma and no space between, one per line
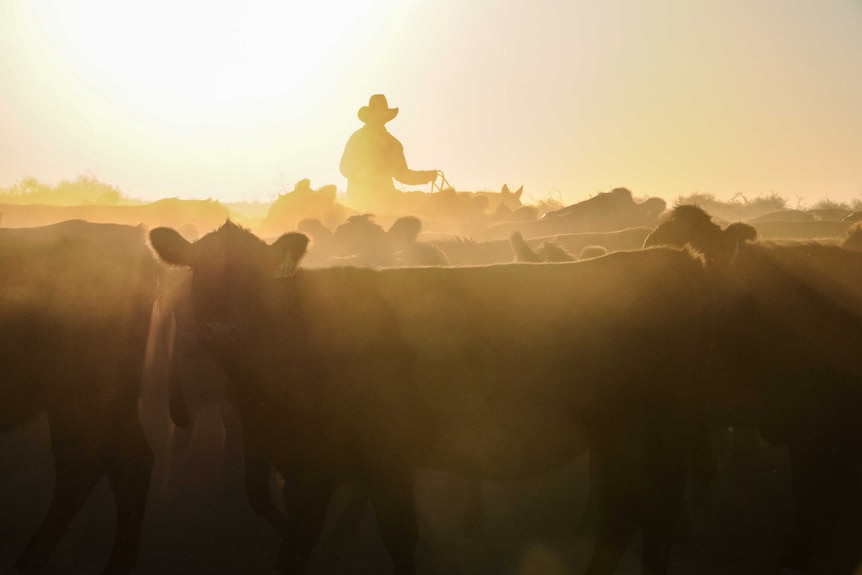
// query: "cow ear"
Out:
[171,247]
[288,250]
[519,192]
[505,189]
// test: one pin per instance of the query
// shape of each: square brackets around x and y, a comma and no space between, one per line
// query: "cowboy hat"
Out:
[377,109]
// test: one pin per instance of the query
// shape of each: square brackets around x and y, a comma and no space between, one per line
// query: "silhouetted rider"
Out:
[373,157]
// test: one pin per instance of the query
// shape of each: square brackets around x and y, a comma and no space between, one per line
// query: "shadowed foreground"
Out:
[531,524]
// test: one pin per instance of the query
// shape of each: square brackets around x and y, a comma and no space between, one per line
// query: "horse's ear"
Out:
[519,192]
[505,189]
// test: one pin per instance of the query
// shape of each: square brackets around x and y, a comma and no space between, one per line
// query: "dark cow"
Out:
[403,239]
[205,214]
[463,252]
[458,211]
[546,252]
[783,216]
[302,202]
[830,214]
[592,252]
[196,390]
[786,360]
[614,210]
[75,306]
[852,217]
[605,212]
[345,373]
[361,241]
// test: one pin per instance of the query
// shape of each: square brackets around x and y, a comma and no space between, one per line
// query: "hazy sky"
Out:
[239,100]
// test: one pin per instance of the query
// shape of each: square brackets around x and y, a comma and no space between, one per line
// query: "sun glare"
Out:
[173,90]
[180,60]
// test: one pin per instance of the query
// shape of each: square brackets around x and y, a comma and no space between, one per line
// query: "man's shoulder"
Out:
[358,133]
[395,142]
[367,134]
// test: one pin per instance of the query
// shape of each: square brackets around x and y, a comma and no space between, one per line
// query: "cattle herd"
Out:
[612,387]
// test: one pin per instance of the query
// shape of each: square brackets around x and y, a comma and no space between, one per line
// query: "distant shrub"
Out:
[827,204]
[739,207]
[85,189]
[553,200]
[771,202]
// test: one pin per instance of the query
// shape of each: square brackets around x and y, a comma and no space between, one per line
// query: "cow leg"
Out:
[665,478]
[616,471]
[350,519]
[704,470]
[180,440]
[257,470]
[306,499]
[395,508]
[587,524]
[233,454]
[129,473]
[77,470]
[825,477]
[797,555]
[474,514]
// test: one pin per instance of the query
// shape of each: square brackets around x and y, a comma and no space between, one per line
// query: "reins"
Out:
[443,185]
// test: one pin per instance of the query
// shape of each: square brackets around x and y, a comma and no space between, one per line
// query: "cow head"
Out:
[651,210]
[360,234]
[688,225]
[236,278]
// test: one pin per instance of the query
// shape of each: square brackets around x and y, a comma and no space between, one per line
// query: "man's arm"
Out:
[402,173]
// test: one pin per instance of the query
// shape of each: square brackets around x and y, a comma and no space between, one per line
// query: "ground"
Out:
[207,528]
